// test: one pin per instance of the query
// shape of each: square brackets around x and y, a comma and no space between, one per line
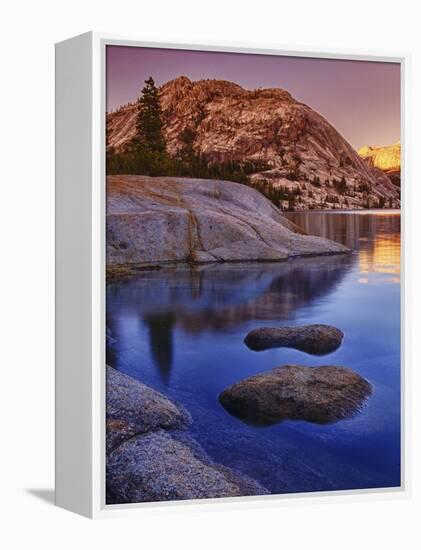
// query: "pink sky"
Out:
[360,98]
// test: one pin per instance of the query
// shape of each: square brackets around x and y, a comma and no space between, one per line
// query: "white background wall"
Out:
[28,32]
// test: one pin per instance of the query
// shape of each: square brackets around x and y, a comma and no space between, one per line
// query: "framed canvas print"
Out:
[229,290]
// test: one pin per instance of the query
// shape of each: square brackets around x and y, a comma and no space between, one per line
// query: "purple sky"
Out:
[360,98]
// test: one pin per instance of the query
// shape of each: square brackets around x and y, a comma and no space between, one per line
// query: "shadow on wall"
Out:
[47,495]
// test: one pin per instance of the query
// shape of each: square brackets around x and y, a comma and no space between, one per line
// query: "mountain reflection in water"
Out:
[220,297]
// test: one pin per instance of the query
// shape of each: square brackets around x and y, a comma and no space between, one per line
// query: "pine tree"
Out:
[187,137]
[149,125]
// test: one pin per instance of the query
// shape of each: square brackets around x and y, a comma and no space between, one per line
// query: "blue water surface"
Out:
[181,329]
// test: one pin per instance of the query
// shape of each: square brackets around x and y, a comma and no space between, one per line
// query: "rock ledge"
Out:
[158,220]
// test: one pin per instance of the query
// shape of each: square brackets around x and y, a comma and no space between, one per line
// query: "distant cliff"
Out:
[387,159]
[297,158]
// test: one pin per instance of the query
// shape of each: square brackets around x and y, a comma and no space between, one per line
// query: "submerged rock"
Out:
[159,466]
[314,339]
[134,408]
[315,394]
[154,220]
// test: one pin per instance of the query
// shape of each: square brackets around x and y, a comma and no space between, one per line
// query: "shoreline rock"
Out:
[159,220]
[312,339]
[320,395]
[157,466]
[148,457]
[132,408]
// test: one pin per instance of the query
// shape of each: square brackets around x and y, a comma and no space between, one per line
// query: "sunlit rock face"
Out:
[387,159]
[289,144]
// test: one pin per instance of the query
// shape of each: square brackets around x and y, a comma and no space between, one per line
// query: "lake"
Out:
[181,331]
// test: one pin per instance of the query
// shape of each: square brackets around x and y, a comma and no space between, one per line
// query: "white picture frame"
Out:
[80,275]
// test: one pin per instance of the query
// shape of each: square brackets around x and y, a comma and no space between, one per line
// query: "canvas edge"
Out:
[73,270]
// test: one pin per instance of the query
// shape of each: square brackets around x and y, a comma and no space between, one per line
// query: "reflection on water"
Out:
[375,234]
[161,340]
[217,298]
[181,329]
[383,257]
